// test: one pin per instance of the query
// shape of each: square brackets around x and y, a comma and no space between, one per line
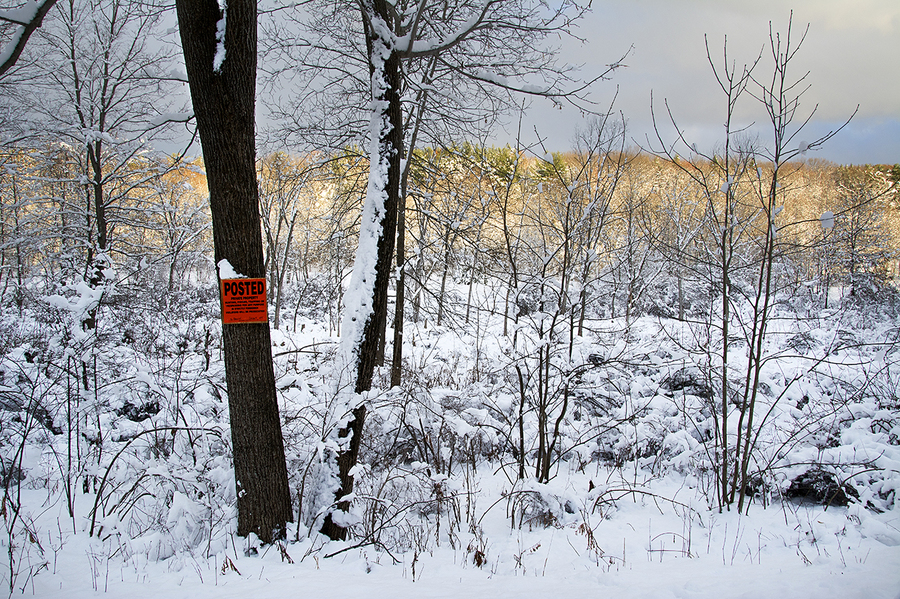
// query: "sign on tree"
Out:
[243,301]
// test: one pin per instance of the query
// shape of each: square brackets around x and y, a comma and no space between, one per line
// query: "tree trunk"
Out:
[400,302]
[224,102]
[390,149]
[399,307]
[445,270]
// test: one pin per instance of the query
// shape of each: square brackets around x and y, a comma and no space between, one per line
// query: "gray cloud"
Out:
[851,52]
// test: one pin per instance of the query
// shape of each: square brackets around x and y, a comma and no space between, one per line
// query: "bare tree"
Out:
[102,88]
[93,99]
[503,37]
[183,216]
[742,188]
[287,205]
[858,243]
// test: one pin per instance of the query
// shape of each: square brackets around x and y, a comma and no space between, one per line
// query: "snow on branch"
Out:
[28,18]
[431,47]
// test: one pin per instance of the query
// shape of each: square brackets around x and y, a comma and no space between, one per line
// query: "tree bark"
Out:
[224,102]
[399,302]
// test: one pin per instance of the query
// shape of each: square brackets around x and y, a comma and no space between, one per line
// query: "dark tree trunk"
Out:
[400,302]
[399,307]
[224,103]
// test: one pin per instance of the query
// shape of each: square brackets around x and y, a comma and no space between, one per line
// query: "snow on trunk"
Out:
[219,57]
[359,297]
[361,288]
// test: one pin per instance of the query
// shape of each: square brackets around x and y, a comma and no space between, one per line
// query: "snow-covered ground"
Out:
[629,510]
[642,546]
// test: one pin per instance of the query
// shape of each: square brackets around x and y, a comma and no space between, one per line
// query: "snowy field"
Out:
[644,547]
[629,511]
[624,373]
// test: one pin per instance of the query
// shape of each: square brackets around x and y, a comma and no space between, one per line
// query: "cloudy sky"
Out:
[851,52]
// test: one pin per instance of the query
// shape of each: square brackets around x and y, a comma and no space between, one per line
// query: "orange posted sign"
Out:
[244,301]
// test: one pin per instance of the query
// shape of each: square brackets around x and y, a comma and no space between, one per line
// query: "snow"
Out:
[358,298]
[439,509]
[726,185]
[644,528]
[640,547]
[171,117]
[219,57]
[226,271]
[428,45]
[23,14]
[93,135]
[529,88]
[10,47]
[491,77]
[87,299]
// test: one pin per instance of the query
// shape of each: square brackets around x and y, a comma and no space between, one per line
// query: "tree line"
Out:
[630,222]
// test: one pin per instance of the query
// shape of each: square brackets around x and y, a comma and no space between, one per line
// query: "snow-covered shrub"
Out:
[530,504]
[398,504]
[161,503]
